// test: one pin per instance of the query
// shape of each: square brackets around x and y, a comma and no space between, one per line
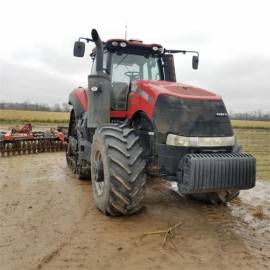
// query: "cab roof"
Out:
[133,46]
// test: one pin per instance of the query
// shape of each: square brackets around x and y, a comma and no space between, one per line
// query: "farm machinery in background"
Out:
[134,119]
[24,140]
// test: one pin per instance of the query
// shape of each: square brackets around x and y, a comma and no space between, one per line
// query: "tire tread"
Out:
[126,169]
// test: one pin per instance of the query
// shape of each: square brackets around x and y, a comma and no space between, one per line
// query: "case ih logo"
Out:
[221,114]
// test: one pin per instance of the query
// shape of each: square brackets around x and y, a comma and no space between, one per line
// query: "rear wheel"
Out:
[117,170]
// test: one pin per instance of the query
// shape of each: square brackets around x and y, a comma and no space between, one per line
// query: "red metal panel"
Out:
[156,88]
[119,114]
[81,94]
[136,103]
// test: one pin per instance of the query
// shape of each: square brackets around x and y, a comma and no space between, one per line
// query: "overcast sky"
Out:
[36,61]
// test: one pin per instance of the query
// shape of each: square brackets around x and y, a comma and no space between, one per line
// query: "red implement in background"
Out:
[24,140]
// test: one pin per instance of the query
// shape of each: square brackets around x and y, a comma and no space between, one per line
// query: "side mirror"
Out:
[79,48]
[195,61]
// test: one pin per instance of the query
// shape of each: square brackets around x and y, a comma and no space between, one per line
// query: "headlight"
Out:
[161,50]
[115,43]
[123,44]
[155,48]
[199,141]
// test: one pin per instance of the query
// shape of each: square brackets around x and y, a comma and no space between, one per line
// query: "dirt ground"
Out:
[48,221]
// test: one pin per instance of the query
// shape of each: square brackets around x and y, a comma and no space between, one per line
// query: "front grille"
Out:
[191,118]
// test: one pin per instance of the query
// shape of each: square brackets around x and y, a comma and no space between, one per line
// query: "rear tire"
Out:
[117,170]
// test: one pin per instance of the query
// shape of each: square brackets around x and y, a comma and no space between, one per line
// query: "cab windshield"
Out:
[129,67]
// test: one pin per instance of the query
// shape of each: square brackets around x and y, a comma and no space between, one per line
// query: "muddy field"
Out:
[48,221]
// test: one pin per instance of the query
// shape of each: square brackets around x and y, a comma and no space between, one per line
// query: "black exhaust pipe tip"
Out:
[95,35]
[99,50]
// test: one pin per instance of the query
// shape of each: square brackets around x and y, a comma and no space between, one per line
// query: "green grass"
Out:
[19,117]
[248,124]
[257,142]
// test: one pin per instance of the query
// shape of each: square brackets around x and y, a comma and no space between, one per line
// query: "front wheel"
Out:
[117,170]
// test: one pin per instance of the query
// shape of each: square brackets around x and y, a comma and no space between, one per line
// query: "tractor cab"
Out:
[124,61]
[128,61]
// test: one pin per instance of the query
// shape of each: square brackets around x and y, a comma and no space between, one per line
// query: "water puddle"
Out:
[247,217]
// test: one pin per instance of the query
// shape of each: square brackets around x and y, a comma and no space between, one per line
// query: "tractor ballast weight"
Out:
[99,89]
[135,119]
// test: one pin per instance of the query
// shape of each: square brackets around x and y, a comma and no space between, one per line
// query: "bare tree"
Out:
[57,107]
[65,107]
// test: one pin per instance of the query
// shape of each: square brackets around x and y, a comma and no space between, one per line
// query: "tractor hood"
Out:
[156,88]
[184,110]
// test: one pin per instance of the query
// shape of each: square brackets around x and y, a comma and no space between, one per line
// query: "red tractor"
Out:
[134,120]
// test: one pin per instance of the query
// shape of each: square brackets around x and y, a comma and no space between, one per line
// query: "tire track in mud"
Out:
[235,222]
[46,259]
[75,252]
[254,231]
[219,217]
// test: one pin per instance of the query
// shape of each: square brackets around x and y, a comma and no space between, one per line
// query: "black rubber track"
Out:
[123,169]
[71,157]
[216,197]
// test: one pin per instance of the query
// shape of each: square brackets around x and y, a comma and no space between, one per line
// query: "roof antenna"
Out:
[126,30]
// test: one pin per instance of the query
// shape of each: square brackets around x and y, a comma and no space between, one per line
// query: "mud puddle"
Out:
[248,216]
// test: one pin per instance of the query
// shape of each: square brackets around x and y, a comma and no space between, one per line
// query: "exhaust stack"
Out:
[99,50]
[99,89]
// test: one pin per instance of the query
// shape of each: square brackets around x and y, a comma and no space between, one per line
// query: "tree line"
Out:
[254,115]
[28,106]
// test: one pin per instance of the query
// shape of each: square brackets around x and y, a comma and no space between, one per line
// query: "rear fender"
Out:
[145,129]
[78,100]
[77,105]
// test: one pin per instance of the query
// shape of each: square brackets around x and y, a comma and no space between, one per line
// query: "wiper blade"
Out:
[125,56]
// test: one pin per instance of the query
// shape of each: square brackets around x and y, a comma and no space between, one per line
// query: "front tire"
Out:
[117,170]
